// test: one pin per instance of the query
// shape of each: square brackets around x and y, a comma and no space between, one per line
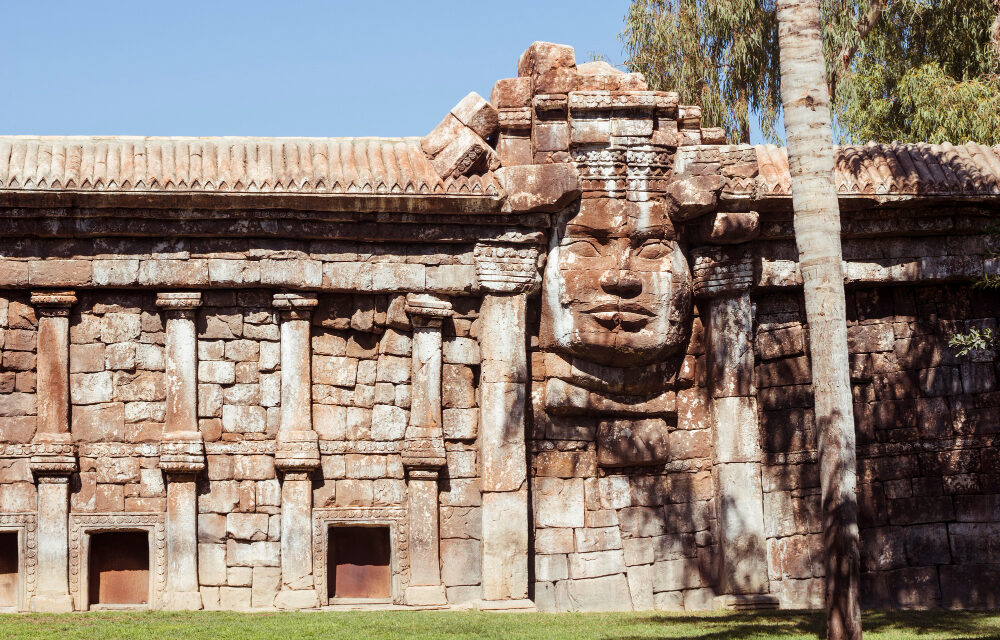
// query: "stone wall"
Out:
[619,537]
[927,461]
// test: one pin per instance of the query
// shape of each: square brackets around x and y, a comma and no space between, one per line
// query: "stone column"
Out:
[423,449]
[182,451]
[507,275]
[297,453]
[53,453]
[722,277]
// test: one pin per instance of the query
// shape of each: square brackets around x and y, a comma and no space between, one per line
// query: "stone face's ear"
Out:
[458,145]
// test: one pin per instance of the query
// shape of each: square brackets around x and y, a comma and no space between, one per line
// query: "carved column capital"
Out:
[427,454]
[295,306]
[427,310]
[54,455]
[180,301]
[297,451]
[722,271]
[507,268]
[53,303]
[182,452]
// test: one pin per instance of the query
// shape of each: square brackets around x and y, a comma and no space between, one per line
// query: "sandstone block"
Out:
[551,567]
[252,554]
[554,541]
[511,92]
[243,419]
[607,593]
[388,422]
[540,187]
[558,502]
[266,582]
[86,358]
[99,422]
[595,564]
[247,526]
[460,424]
[212,568]
[461,562]
[477,114]
[234,598]
[217,372]
[545,56]
[90,388]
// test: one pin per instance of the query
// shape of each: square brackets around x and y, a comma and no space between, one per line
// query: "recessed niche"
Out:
[119,568]
[358,563]
[9,563]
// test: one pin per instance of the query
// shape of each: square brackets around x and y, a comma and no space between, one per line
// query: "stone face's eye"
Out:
[583,249]
[653,250]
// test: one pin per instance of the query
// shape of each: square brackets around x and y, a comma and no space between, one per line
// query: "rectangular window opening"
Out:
[119,568]
[358,563]
[9,564]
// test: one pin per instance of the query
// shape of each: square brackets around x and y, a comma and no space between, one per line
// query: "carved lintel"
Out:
[427,310]
[297,451]
[424,454]
[180,301]
[182,452]
[53,303]
[295,305]
[722,271]
[507,268]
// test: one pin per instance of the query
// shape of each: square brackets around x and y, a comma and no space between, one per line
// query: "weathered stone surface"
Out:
[558,502]
[539,187]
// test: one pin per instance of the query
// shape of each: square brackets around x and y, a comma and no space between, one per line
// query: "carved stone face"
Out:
[617,288]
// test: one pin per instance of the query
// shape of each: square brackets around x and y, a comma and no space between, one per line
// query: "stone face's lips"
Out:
[629,316]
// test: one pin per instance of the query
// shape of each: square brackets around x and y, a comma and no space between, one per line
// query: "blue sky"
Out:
[292,68]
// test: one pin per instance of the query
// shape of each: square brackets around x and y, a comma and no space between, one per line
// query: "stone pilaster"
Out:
[53,452]
[182,451]
[722,277]
[423,449]
[507,275]
[297,453]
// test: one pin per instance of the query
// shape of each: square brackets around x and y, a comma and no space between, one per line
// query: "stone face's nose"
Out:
[622,283]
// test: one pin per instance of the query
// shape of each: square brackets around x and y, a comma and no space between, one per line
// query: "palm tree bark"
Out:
[806,101]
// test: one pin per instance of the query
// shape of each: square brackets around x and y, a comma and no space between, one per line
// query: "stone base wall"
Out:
[625,537]
[928,467]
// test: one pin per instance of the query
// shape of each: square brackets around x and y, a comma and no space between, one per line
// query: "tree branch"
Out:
[871,19]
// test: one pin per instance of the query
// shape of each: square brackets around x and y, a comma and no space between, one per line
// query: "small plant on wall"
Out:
[980,338]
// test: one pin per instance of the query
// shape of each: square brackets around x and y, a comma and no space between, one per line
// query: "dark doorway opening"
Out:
[119,568]
[358,563]
[9,563]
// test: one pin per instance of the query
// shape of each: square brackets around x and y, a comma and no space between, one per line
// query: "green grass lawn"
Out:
[503,626]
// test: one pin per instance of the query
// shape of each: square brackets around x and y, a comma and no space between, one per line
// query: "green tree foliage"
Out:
[720,54]
[905,70]
[927,71]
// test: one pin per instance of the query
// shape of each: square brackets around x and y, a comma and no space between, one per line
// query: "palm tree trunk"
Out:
[806,101]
